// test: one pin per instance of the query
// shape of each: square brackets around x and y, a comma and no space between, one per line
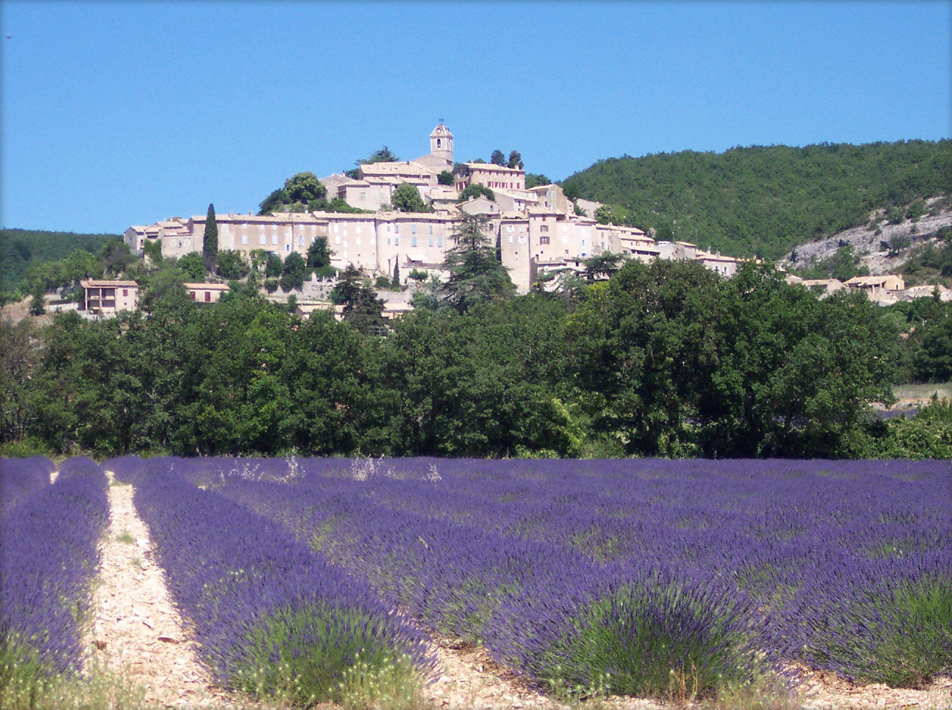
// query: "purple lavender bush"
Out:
[20,478]
[882,620]
[578,571]
[633,634]
[48,559]
[269,615]
[545,609]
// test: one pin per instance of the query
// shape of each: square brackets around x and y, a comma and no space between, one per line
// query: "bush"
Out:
[270,285]
[326,272]
[291,282]
[903,607]
[636,639]
[916,210]
[232,265]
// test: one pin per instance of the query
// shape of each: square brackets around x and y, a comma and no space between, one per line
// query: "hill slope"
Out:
[20,247]
[767,200]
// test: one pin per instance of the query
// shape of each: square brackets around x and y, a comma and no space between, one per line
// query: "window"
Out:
[125,292]
[431,241]
[583,242]
[543,240]
[261,239]
[510,227]
[396,241]
[274,238]
[522,227]
[522,239]
[287,247]
[388,227]
[357,230]
[439,242]
[413,241]
[301,241]
[336,239]
[208,296]
[431,229]
[510,240]
[413,228]
[396,229]
[244,238]
[544,228]
[336,226]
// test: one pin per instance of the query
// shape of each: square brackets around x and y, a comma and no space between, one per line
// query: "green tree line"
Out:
[660,360]
[765,200]
[22,248]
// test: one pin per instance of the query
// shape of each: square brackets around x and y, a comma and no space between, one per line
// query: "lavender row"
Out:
[536,606]
[48,559]
[268,614]
[849,561]
[21,478]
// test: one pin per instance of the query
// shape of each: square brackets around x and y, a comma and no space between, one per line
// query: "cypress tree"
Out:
[210,243]
[396,275]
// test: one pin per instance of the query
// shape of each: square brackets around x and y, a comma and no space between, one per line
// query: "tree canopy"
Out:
[666,359]
[476,190]
[476,273]
[407,198]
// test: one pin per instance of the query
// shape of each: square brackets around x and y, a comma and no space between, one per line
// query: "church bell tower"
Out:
[441,143]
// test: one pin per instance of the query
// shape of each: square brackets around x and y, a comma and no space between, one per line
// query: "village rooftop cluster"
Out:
[539,231]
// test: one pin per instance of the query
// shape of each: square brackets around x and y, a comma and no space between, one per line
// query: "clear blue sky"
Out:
[121,113]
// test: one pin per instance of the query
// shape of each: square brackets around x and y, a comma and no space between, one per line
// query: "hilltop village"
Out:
[538,230]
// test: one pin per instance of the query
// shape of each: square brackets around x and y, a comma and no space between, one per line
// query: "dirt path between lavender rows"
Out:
[137,632]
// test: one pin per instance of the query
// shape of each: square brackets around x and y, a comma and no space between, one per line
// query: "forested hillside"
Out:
[764,201]
[19,248]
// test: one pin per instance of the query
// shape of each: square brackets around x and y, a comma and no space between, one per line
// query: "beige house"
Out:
[206,293]
[495,177]
[723,265]
[108,297]
[877,287]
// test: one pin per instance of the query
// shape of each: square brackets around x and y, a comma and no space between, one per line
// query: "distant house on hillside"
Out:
[878,287]
[206,293]
[104,297]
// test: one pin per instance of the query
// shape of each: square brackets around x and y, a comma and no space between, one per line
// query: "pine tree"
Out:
[476,272]
[210,243]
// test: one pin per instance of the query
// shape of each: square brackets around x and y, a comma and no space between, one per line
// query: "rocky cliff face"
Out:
[872,246]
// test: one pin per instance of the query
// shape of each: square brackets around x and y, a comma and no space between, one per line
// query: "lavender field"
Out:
[594,574]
